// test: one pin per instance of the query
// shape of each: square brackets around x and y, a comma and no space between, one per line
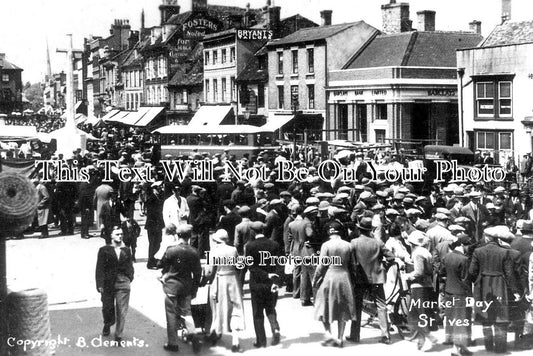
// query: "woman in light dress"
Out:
[225,291]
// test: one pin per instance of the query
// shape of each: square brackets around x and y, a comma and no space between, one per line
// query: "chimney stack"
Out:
[396,17]
[426,20]
[506,10]
[274,17]
[475,26]
[167,9]
[325,15]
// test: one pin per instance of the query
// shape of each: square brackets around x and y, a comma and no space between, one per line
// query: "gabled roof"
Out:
[416,49]
[314,33]
[510,32]
[131,60]
[252,73]
[10,66]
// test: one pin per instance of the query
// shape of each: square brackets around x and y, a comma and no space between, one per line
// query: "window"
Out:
[233,89]
[207,90]
[381,112]
[223,89]
[232,54]
[505,98]
[206,62]
[294,97]
[486,140]
[311,96]
[215,57]
[5,77]
[215,90]
[281,97]
[380,136]
[310,60]
[494,98]
[280,62]
[261,63]
[224,56]
[295,62]
[485,98]
[261,95]
[185,97]
[505,141]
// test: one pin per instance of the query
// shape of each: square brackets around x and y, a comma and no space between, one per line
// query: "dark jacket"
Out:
[108,267]
[229,222]
[455,268]
[259,280]
[369,253]
[154,212]
[491,269]
[183,270]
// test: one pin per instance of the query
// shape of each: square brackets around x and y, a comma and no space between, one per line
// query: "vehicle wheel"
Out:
[400,317]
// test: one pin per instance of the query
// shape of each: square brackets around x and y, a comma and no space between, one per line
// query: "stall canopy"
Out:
[149,116]
[210,115]
[119,117]
[110,114]
[18,133]
[135,116]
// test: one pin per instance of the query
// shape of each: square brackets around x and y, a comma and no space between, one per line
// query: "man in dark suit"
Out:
[274,224]
[114,273]
[264,283]
[301,236]
[182,272]
[229,220]
[110,216]
[369,253]
[85,203]
[491,269]
[154,221]
[476,212]
[199,219]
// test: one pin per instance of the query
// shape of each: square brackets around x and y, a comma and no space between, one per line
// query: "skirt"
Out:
[228,311]
[334,299]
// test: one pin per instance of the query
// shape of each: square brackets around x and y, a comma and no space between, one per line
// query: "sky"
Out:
[27,25]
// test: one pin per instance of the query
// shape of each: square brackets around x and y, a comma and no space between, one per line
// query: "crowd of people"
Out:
[463,246]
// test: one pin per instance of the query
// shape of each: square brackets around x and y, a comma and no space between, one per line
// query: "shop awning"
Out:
[149,116]
[80,119]
[135,116]
[110,114]
[210,115]
[119,117]
[275,122]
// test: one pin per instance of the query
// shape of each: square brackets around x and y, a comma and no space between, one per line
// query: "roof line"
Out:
[362,48]
[495,46]
[409,49]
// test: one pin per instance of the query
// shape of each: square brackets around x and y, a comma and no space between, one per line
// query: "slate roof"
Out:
[191,71]
[510,32]
[9,66]
[416,49]
[252,73]
[311,34]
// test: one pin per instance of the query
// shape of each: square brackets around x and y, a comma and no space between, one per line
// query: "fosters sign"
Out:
[197,28]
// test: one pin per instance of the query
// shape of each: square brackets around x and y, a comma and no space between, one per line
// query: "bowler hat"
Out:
[365,224]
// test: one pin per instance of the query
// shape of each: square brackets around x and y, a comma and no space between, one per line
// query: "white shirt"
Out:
[174,213]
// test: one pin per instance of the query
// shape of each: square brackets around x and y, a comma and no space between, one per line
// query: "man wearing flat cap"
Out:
[491,271]
[369,254]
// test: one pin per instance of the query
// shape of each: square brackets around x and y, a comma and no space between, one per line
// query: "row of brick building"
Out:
[348,81]
[10,87]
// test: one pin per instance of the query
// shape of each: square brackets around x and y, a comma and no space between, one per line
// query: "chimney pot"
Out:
[426,20]
[325,15]
[475,26]
[396,17]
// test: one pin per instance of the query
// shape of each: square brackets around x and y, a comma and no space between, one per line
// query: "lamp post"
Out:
[460,75]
